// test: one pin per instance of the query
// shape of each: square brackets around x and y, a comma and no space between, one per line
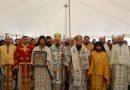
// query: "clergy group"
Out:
[47,63]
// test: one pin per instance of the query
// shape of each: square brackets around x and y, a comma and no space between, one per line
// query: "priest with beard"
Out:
[99,70]
[77,65]
[57,51]
[48,41]
[41,72]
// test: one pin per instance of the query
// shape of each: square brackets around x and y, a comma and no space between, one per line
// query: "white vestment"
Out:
[58,68]
[42,74]
[119,62]
[79,64]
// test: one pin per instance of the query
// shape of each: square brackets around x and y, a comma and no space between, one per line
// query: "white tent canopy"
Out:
[88,17]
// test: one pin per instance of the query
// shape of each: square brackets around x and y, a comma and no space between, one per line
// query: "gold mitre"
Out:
[78,38]
[57,36]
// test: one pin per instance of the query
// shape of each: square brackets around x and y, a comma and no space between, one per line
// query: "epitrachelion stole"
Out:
[39,58]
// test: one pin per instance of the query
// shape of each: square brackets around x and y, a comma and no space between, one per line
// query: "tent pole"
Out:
[16,36]
[66,20]
[69,20]
[6,34]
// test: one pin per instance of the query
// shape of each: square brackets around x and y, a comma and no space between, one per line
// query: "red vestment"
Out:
[22,60]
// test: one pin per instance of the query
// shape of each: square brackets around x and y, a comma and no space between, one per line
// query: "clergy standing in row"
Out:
[6,62]
[22,60]
[42,66]
[99,71]
[57,51]
[120,61]
[78,64]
